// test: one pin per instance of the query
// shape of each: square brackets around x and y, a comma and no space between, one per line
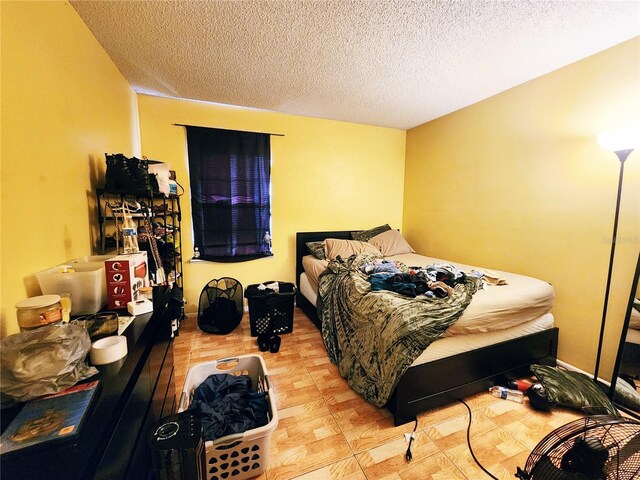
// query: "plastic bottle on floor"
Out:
[507,394]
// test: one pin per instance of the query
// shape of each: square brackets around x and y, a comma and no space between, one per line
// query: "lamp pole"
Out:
[622,156]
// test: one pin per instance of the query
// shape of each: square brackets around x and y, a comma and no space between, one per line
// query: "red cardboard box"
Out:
[126,275]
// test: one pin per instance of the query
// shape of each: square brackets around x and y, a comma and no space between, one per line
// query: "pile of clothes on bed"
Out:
[433,281]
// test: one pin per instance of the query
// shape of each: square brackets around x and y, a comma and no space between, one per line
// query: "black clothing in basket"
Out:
[229,405]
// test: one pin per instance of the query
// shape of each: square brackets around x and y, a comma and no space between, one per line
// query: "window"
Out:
[230,176]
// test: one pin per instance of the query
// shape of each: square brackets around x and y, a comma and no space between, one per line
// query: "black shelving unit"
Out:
[164,217]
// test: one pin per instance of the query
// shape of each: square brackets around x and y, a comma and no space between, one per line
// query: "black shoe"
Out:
[264,340]
[274,344]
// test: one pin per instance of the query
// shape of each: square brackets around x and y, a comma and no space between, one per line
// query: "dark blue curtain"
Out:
[230,200]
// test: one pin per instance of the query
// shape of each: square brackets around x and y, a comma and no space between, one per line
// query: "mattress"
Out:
[493,308]
[307,289]
[454,344]
[633,336]
[634,321]
[448,346]
[313,267]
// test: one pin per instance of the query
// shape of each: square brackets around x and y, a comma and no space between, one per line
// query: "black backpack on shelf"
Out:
[220,307]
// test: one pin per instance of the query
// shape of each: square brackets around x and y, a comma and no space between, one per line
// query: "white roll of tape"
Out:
[108,350]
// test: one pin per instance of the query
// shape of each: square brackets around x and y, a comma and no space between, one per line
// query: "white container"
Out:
[86,284]
[98,260]
[108,350]
[247,452]
[37,311]
[140,307]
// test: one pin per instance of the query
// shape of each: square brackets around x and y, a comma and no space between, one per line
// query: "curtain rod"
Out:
[229,129]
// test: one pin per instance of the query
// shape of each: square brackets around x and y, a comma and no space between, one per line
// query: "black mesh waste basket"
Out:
[271,311]
[220,307]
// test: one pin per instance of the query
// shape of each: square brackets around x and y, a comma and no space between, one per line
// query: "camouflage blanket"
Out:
[374,337]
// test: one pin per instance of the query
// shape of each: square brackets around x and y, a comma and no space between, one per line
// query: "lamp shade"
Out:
[626,138]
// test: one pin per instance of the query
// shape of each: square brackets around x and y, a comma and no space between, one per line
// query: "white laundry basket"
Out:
[242,455]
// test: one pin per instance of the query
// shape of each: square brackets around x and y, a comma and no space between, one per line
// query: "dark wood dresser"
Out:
[133,394]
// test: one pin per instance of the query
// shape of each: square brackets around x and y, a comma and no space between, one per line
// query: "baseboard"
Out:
[568,366]
[195,314]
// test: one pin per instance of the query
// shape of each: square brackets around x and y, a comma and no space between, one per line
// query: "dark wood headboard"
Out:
[303,237]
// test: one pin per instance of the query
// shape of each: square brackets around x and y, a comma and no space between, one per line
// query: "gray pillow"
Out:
[317,250]
[572,389]
[365,235]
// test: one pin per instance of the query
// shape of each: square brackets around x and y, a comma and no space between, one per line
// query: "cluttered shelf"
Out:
[153,219]
[83,404]
[132,394]
[139,209]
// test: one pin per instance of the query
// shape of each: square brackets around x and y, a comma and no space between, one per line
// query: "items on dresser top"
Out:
[83,278]
[38,311]
[108,350]
[131,398]
[99,325]
[126,275]
[43,361]
[53,418]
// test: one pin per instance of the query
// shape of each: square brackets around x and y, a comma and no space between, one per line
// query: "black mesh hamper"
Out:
[220,307]
[271,311]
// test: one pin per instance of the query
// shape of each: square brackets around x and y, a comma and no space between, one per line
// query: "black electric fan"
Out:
[598,447]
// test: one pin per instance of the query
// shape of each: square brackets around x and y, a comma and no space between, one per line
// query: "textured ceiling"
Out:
[379,62]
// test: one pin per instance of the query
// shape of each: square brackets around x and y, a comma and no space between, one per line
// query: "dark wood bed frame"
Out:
[446,380]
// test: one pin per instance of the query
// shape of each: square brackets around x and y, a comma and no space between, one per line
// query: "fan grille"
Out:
[619,436]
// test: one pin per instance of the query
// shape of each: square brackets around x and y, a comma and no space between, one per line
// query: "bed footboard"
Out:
[446,380]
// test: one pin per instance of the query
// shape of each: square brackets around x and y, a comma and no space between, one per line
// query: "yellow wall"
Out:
[518,182]
[64,103]
[325,175]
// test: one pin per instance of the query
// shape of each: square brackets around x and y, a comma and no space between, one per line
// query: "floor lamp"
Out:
[622,142]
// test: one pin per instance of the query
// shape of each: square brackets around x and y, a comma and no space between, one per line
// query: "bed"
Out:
[455,366]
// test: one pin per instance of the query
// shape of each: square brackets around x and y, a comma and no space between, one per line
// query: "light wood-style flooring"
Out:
[326,431]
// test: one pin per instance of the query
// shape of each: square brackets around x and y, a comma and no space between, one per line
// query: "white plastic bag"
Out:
[44,361]
[161,171]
